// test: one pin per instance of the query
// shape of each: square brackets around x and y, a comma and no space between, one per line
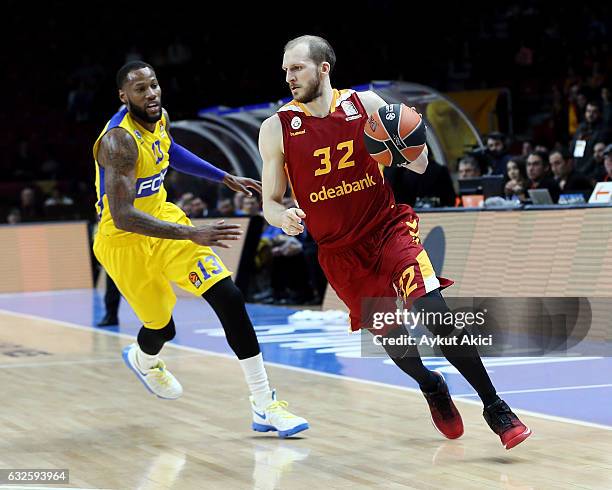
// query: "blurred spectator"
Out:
[539,149]
[238,198]
[57,198]
[539,176]
[526,148]
[50,167]
[498,157]
[13,217]
[597,162]
[80,102]
[251,206]
[198,208]
[568,178]
[588,133]
[225,208]
[185,202]
[30,206]
[518,182]
[469,168]
[577,105]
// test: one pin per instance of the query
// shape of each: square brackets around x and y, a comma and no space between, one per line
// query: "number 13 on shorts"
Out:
[208,272]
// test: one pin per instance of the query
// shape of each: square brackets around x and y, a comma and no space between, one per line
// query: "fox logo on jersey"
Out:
[150,185]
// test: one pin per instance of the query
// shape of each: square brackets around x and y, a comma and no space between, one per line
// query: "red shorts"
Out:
[389,262]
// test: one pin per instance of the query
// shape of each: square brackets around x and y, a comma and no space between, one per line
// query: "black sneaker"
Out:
[444,414]
[109,321]
[506,424]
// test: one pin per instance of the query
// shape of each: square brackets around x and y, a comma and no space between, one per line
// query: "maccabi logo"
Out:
[148,186]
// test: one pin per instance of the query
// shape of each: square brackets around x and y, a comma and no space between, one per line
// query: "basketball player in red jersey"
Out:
[368,245]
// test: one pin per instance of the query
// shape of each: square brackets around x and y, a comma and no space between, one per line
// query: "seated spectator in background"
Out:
[30,207]
[225,209]
[13,217]
[238,198]
[498,156]
[468,168]
[526,148]
[517,184]
[589,132]
[597,163]
[185,202]
[250,206]
[199,208]
[57,198]
[434,187]
[538,172]
[59,206]
[539,149]
[568,178]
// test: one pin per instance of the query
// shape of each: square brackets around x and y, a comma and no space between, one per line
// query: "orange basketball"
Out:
[395,135]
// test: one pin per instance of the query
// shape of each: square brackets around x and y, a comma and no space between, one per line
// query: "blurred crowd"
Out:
[554,59]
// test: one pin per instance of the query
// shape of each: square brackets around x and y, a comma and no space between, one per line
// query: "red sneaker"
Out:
[444,414]
[506,424]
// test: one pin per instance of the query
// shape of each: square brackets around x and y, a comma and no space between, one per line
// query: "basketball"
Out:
[395,135]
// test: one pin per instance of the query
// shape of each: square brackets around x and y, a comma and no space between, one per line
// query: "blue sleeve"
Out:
[184,161]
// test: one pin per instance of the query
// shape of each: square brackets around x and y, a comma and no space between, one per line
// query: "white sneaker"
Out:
[157,380]
[276,417]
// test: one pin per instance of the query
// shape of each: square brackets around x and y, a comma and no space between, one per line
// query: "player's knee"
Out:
[435,304]
[225,293]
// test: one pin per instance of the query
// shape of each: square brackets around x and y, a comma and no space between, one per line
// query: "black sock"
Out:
[464,358]
[227,302]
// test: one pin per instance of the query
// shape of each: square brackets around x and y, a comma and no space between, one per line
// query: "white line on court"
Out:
[302,370]
[538,390]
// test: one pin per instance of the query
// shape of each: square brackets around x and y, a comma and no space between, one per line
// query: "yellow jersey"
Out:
[151,169]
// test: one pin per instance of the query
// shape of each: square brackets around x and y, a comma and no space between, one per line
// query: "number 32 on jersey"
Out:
[324,154]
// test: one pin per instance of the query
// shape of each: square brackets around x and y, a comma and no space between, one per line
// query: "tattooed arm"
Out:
[118,155]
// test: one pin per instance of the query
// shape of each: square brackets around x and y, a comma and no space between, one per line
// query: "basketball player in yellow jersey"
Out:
[145,242]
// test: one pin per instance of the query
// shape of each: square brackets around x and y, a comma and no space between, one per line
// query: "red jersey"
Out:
[333,177]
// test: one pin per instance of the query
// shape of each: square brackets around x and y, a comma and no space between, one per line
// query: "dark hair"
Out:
[129,67]
[495,136]
[561,151]
[319,50]
[520,163]
[543,156]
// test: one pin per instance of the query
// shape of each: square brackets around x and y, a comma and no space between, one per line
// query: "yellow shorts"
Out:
[142,268]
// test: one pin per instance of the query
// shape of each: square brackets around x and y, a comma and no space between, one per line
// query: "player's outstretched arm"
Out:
[372,102]
[274,180]
[187,162]
[118,155]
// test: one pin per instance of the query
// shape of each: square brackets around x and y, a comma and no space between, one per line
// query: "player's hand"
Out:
[292,221]
[242,184]
[214,235]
